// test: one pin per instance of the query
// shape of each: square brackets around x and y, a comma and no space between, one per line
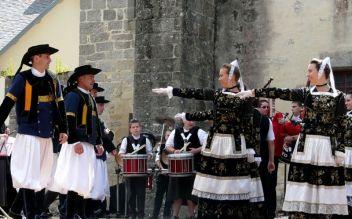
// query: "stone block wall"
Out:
[107,35]
[174,43]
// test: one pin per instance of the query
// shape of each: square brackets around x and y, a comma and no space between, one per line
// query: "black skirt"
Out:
[181,188]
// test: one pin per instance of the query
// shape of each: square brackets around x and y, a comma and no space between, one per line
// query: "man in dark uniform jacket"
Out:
[76,162]
[97,206]
[180,188]
[39,106]
[136,185]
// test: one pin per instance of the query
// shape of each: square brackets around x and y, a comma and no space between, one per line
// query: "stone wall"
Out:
[107,33]
[174,43]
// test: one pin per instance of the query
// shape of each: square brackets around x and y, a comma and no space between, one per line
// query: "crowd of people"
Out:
[61,147]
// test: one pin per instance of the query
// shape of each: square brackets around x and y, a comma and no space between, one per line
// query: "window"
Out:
[343,78]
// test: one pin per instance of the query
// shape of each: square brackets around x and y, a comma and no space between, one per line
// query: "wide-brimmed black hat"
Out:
[101,99]
[36,50]
[97,88]
[83,70]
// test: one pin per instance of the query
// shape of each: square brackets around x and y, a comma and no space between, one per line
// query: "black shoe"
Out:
[46,214]
[14,215]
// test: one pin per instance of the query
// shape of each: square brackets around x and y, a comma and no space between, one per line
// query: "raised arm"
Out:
[284,94]
[273,93]
[198,94]
[200,115]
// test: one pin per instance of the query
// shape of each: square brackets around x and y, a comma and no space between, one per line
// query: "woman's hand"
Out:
[164,91]
[245,94]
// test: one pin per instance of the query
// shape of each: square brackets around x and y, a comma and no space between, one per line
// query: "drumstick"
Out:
[185,146]
[140,148]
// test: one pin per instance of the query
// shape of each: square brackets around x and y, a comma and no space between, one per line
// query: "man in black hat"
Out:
[101,184]
[76,163]
[96,89]
[39,107]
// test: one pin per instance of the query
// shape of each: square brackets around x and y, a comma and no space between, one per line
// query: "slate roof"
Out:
[18,16]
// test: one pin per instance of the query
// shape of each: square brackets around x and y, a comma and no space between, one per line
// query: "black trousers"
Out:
[136,195]
[74,205]
[162,183]
[269,182]
[50,197]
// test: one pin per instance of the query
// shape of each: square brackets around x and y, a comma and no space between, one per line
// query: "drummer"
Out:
[180,188]
[162,183]
[136,185]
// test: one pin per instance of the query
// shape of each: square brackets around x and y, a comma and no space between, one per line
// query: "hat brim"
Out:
[27,56]
[99,89]
[76,75]
[104,101]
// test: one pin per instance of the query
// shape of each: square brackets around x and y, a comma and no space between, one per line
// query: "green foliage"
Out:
[59,67]
[9,71]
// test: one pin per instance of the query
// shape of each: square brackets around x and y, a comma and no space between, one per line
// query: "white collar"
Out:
[83,90]
[349,113]
[136,137]
[328,93]
[37,73]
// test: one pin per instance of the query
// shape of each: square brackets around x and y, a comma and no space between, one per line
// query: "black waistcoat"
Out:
[141,141]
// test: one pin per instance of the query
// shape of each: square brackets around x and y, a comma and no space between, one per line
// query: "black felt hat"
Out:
[35,50]
[97,88]
[101,99]
[83,70]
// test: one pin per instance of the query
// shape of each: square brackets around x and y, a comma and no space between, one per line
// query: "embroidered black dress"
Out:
[348,161]
[316,184]
[223,180]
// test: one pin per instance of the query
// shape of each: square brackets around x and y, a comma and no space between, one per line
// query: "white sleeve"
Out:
[270,136]
[123,146]
[170,140]
[149,147]
[157,156]
[202,136]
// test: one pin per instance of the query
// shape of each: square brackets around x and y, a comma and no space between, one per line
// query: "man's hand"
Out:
[158,163]
[195,150]
[177,151]
[100,150]
[78,148]
[271,166]
[150,156]
[63,138]
[114,152]
[3,138]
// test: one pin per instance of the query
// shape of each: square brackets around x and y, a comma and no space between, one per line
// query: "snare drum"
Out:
[181,165]
[134,165]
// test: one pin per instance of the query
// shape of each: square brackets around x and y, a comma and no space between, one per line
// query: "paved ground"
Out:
[151,193]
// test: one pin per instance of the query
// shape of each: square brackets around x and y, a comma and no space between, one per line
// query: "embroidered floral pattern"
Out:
[316,175]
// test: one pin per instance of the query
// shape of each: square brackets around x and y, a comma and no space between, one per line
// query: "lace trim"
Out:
[312,208]
[256,199]
[349,200]
[214,196]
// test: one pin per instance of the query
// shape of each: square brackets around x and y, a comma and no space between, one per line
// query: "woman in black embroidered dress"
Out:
[316,184]
[348,161]
[223,183]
